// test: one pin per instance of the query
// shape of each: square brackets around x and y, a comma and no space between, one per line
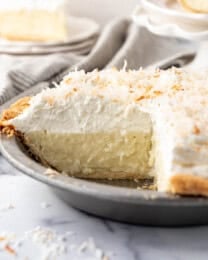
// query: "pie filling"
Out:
[120,154]
[95,155]
[121,125]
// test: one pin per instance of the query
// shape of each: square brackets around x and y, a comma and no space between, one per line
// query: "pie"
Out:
[33,25]
[118,124]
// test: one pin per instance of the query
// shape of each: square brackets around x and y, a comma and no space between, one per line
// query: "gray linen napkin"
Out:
[120,40]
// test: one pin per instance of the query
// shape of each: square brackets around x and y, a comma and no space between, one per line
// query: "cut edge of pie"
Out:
[182,183]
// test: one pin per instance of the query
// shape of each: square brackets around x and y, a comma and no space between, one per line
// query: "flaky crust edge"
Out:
[13,111]
[187,184]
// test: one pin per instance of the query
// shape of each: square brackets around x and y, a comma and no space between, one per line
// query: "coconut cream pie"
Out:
[32,20]
[121,125]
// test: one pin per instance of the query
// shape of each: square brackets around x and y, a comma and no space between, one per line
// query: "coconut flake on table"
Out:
[6,207]
[45,205]
[50,245]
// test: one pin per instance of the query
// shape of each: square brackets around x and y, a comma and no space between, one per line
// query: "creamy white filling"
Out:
[103,155]
[83,114]
[79,106]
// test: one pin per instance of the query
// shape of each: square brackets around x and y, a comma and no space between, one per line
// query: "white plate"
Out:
[78,48]
[79,30]
[160,23]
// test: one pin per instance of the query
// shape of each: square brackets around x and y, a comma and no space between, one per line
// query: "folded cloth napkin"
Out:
[121,40]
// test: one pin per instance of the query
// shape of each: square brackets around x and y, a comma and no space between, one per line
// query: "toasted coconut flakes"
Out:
[50,100]
[139,98]
[13,111]
[2,238]
[69,94]
[67,80]
[9,249]
[157,92]
[196,130]
[176,87]
[148,88]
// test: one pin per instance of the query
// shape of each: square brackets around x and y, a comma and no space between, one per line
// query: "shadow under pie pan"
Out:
[120,201]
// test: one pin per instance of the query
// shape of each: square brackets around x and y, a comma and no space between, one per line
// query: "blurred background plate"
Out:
[116,201]
[80,30]
[77,48]
[158,22]
[171,9]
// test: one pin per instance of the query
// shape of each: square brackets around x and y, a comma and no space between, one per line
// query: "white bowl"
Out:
[170,22]
[170,10]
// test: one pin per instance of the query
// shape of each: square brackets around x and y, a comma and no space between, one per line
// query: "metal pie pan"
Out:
[120,203]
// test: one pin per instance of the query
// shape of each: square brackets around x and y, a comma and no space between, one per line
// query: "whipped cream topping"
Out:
[174,102]
[10,5]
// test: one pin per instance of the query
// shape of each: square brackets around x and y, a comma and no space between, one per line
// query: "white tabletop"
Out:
[26,204]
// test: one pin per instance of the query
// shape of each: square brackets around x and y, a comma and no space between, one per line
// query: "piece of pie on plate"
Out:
[32,20]
[121,125]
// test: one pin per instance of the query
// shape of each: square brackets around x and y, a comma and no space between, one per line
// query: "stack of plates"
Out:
[167,18]
[82,35]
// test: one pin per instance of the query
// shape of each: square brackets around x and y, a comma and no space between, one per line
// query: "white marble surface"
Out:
[118,241]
